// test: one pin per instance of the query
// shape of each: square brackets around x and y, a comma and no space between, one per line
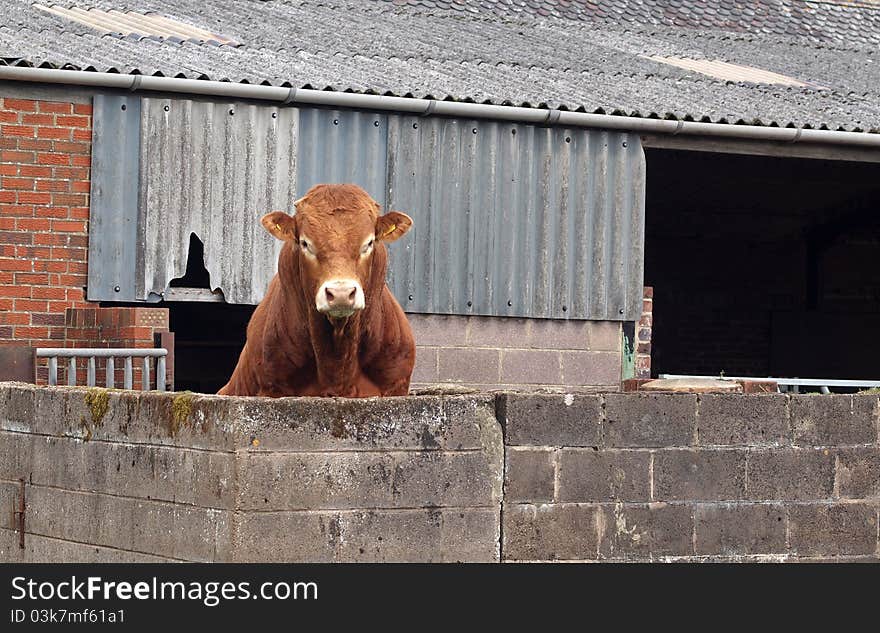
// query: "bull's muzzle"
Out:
[340,298]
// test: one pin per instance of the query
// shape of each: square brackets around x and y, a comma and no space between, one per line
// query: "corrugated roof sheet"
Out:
[137,24]
[732,72]
[578,55]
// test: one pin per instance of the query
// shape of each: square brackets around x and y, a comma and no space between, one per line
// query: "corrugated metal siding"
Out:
[517,220]
[113,228]
[342,146]
[214,169]
[510,220]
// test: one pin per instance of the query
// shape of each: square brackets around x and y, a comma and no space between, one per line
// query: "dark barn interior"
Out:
[763,266]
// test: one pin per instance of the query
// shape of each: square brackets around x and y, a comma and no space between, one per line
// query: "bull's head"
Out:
[337,231]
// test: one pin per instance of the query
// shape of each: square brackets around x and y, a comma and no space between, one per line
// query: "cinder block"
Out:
[438,330]
[833,420]
[586,475]
[551,532]
[858,473]
[148,527]
[531,367]
[605,336]
[550,420]
[735,419]
[346,424]
[41,549]
[410,479]
[833,530]
[461,364]
[739,529]
[200,478]
[530,475]
[556,334]
[641,532]
[700,475]
[590,368]
[17,406]
[791,474]
[498,332]
[649,419]
[426,535]
[425,370]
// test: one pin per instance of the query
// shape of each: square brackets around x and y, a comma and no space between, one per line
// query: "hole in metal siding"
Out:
[513,131]
[568,139]
[274,115]
[474,130]
[375,124]
[166,108]
[415,126]
[335,121]
[470,304]
[231,111]
[123,106]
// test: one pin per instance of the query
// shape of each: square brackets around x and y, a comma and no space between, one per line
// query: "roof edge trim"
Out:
[423,107]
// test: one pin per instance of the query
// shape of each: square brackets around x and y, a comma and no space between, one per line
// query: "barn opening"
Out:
[763,266]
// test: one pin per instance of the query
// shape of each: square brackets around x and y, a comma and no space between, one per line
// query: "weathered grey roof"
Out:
[578,55]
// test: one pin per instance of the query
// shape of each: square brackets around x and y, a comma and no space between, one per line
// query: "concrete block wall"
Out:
[517,354]
[665,477]
[128,476]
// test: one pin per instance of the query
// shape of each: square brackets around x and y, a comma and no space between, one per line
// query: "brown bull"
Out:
[328,325]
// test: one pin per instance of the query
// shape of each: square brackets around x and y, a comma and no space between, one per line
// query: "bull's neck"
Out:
[336,343]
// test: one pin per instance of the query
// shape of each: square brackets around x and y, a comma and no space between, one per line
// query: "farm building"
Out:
[600,190]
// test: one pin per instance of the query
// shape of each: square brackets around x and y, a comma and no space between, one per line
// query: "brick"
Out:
[52,212]
[82,108]
[47,319]
[439,330]
[831,420]
[755,420]
[34,171]
[530,475]
[53,159]
[39,144]
[421,535]
[590,368]
[586,475]
[637,532]
[30,305]
[791,474]
[15,156]
[38,119]
[459,364]
[27,197]
[72,121]
[551,532]
[56,107]
[832,530]
[17,183]
[700,475]
[649,419]
[15,237]
[58,133]
[534,367]
[69,226]
[550,420]
[25,332]
[27,131]
[14,291]
[497,331]
[8,116]
[18,210]
[349,480]
[15,264]
[8,170]
[82,134]
[7,196]
[23,105]
[858,473]
[73,148]
[738,529]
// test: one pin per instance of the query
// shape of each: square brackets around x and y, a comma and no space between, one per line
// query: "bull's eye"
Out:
[307,248]
[366,248]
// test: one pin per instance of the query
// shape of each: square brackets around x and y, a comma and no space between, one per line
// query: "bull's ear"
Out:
[280,224]
[392,226]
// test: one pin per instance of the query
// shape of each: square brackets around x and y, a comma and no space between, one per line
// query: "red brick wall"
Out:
[45,154]
[643,335]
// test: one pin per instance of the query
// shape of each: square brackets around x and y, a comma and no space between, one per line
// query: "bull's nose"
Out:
[341,296]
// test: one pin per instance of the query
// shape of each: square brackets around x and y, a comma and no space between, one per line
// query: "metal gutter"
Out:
[424,107]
